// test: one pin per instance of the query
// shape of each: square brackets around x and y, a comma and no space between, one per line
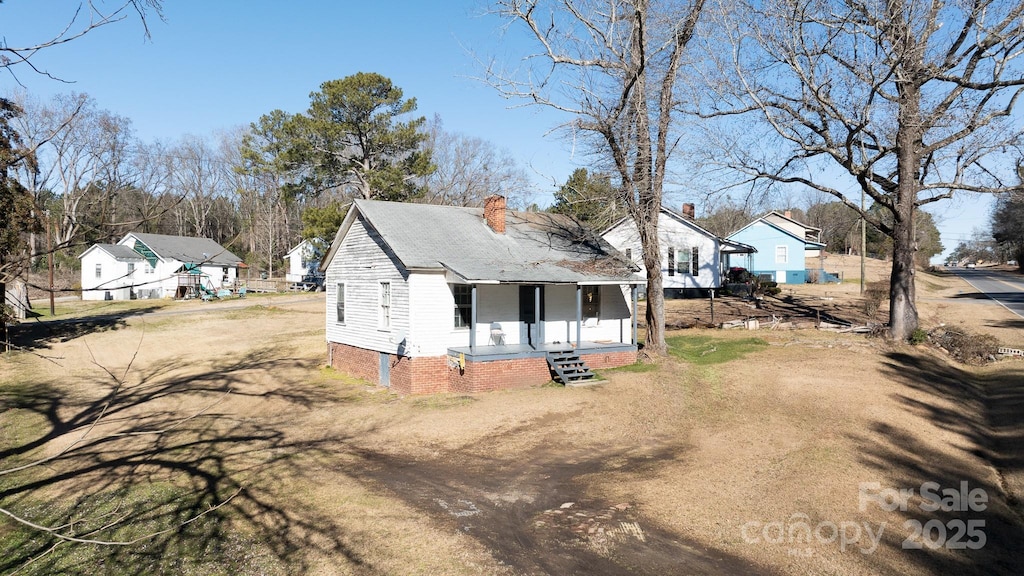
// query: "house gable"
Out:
[361,262]
[680,234]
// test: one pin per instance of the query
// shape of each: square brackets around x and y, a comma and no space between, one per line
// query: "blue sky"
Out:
[218,64]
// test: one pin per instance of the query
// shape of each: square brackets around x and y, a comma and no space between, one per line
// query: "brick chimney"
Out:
[789,214]
[494,213]
[688,210]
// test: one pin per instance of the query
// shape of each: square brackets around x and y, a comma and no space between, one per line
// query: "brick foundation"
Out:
[432,374]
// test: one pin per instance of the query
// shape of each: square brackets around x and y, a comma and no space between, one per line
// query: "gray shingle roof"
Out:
[120,252]
[536,247]
[185,249]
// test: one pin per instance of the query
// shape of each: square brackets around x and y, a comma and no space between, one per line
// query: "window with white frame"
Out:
[683,260]
[340,302]
[782,254]
[131,269]
[694,261]
[629,254]
[385,305]
[463,304]
[99,270]
[671,261]
[149,268]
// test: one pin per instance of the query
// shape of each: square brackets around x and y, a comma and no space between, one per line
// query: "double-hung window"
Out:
[340,302]
[782,254]
[463,304]
[385,306]
[99,270]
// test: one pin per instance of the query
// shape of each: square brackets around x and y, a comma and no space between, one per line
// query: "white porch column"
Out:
[579,313]
[632,288]
[472,319]
[536,317]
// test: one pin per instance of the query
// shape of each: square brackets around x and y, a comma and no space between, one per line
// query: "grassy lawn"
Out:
[663,466]
[703,350]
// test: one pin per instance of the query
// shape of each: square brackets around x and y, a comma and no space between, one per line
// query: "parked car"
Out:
[971,265]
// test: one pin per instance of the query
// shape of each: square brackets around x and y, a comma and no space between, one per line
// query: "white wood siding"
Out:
[432,316]
[113,276]
[361,263]
[560,315]
[675,234]
[296,262]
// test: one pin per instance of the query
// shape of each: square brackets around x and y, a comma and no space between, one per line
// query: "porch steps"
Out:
[570,369]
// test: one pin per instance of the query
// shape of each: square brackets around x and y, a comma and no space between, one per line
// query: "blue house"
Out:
[781,248]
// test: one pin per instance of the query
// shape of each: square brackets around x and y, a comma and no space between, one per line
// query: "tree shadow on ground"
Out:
[41,334]
[984,414]
[1004,297]
[211,481]
[536,515]
[1012,323]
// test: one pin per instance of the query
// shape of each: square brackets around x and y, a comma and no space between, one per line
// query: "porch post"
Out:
[579,313]
[536,316]
[632,288]
[472,319]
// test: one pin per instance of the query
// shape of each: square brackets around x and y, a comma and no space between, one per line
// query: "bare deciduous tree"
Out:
[87,18]
[614,66]
[468,169]
[911,101]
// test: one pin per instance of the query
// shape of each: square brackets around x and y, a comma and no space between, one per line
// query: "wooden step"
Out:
[569,368]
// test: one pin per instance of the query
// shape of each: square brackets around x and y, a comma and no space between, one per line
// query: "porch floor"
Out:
[509,351]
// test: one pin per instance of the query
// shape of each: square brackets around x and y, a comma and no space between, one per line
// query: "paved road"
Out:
[1005,288]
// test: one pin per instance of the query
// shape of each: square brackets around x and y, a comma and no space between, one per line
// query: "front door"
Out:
[530,331]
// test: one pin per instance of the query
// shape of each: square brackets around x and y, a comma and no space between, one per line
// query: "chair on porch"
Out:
[497,334]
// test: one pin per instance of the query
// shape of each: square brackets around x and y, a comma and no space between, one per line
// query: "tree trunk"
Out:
[3,318]
[902,309]
[654,342]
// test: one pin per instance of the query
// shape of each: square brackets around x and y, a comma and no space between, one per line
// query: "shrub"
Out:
[874,294]
[966,347]
[918,336]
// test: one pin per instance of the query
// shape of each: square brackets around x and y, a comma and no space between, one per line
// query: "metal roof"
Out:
[536,247]
[186,249]
[120,252]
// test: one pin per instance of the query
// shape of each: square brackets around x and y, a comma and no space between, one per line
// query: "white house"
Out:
[303,262]
[155,266]
[427,298]
[691,257]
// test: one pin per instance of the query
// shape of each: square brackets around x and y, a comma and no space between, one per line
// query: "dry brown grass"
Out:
[345,478]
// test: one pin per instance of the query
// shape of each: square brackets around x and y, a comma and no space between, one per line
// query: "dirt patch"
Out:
[537,517]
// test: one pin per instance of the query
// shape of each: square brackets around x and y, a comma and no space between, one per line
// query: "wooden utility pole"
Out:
[49,259]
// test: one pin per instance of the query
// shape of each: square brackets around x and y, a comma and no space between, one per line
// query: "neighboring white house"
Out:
[691,257]
[155,266]
[429,298]
[303,263]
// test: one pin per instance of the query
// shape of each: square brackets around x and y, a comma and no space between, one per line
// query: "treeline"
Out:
[84,176]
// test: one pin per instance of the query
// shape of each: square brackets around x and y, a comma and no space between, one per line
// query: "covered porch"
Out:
[510,351]
[514,320]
